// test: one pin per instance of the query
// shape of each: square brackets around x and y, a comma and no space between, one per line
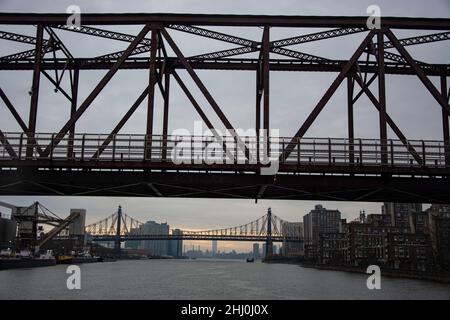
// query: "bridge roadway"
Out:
[254,238]
[324,169]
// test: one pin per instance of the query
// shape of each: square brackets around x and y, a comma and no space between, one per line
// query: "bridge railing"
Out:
[207,150]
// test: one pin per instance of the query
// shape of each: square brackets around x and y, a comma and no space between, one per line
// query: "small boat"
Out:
[250,259]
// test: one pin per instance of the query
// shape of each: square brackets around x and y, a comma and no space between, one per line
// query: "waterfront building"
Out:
[439,226]
[292,229]
[176,246]
[401,212]
[256,251]
[214,247]
[319,221]
[155,247]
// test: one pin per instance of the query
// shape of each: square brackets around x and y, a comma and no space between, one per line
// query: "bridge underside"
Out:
[225,185]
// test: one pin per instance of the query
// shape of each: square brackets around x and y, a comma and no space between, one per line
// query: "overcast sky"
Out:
[293,95]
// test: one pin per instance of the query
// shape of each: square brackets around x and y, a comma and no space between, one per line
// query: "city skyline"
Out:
[214,219]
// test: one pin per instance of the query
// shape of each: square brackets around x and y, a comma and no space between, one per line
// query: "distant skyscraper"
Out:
[292,229]
[256,250]
[176,246]
[401,212]
[156,247]
[214,247]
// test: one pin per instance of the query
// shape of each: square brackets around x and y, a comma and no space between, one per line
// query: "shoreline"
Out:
[401,274]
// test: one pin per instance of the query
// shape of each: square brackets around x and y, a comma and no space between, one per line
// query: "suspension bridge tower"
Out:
[269,243]
[118,227]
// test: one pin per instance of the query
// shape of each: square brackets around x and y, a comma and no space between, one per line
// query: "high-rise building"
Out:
[401,213]
[176,246]
[156,247]
[274,249]
[439,226]
[319,221]
[256,250]
[214,247]
[292,229]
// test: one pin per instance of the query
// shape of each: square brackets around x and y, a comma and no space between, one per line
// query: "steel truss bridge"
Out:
[119,227]
[67,162]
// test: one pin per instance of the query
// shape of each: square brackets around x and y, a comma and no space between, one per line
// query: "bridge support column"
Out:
[445,125]
[73,109]
[259,91]
[266,96]
[351,131]
[166,112]
[117,242]
[151,94]
[35,90]
[269,243]
[382,96]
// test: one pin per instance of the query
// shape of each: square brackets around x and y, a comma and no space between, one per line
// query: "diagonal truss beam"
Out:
[326,97]
[200,112]
[298,55]
[19,119]
[8,147]
[223,53]
[390,122]
[13,111]
[59,43]
[434,37]
[315,36]
[18,37]
[115,55]
[213,35]
[49,46]
[121,123]
[204,91]
[422,76]
[103,82]
[104,34]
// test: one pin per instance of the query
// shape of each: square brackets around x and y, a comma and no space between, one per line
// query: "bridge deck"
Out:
[324,169]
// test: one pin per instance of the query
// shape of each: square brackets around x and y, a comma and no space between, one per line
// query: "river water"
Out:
[207,279]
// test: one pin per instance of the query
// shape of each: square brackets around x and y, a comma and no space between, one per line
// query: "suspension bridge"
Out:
[119,227]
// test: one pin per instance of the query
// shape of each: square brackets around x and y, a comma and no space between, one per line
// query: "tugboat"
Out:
[250,259]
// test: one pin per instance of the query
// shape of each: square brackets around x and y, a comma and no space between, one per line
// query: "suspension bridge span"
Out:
[120,227]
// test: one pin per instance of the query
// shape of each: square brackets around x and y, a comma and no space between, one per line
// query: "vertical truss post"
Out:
[35,89]
[73,109]
[445,125]
[265,76]
[351,131]
[259,91]
[382,96]
[151,93]
[166,112]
